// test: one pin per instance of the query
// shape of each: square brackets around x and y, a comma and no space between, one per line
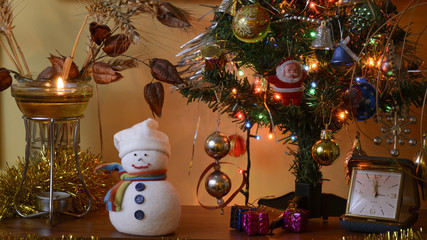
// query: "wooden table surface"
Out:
[196,223]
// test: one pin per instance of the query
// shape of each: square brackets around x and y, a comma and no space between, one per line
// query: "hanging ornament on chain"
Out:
[251,23]
[323,40]
[395,129]
[217,183]
[326,150]
[356,150]
[237,145]
[420,161]
[360,99]
[343,55]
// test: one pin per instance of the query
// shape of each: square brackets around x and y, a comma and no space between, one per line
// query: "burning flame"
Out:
[60,83]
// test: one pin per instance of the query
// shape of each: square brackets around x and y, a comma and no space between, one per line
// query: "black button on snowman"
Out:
[144,202]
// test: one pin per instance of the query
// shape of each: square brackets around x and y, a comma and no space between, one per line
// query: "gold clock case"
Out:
[376,169]
[409,196]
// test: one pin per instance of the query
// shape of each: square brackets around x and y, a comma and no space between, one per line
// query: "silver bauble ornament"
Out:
[218,184]
[217,145]
[326,150]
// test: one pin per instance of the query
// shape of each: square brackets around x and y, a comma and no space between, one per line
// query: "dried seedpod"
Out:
[5,79]
[58,64]
[164,71]
[154,94]
[103,73]
[171,16]
[116,45]
[99,33]
[47,73]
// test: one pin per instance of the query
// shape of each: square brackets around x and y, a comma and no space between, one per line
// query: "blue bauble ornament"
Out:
[360,98]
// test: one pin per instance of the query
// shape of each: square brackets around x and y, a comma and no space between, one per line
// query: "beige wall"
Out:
[53,27]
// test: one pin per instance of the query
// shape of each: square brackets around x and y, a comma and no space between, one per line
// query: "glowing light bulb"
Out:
[240,170]
[277,96]
[312,5]
[270,136]
[293,137]
[258,90]
[306,67]
[313,85]
[257,137]
[241,73]
[312,91]
[371,62]
[314,66]
[248,125]
[234,91]
[260,116]
[313,34]
[342,115]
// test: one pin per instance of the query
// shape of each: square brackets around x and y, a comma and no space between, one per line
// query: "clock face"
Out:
[374,194]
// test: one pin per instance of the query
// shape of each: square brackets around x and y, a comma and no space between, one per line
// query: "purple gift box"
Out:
[255,222]
[295,220]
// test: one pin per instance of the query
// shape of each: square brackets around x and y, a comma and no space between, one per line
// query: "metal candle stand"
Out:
[52,157]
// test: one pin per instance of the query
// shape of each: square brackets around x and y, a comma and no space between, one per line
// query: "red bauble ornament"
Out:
[237,145]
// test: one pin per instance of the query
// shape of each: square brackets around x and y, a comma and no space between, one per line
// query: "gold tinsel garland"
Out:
[66,179]
[407,234]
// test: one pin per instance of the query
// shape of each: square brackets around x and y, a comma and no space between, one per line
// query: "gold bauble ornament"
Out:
[326,150]
[211,51]
[251,23]
[420,161]
[217,145]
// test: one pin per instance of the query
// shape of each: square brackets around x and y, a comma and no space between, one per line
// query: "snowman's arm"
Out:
[109,167]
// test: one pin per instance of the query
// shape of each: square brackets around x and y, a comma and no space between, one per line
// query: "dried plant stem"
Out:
[69,60]
[22,55]
[8,54]
[12,47]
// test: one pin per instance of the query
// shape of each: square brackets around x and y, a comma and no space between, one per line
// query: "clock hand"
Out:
[375,187]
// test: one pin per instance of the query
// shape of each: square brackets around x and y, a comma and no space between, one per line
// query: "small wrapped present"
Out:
[236,218]
[255,222]
[294,219]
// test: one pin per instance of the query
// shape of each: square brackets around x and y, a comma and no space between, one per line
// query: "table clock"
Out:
[383,196]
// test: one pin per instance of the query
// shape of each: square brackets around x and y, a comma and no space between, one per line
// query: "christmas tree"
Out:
[353,60]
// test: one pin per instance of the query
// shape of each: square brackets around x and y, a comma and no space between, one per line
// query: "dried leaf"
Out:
[99,33]
[164,71]
[154,95]
[5,79]
[58,63]
[47,73]
[171,16]
[116,45]
[103,73]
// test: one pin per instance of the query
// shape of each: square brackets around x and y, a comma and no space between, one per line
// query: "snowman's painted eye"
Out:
[135,154]
[145,154]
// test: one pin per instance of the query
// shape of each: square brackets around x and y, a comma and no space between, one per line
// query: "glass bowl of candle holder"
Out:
[45,99]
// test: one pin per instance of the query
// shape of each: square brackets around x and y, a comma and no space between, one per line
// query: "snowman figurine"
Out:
[143,202]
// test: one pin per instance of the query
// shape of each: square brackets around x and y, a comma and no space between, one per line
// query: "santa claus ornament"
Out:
[143,202]
[288,81]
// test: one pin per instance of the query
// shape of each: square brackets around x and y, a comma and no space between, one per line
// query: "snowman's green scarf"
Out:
[114,197]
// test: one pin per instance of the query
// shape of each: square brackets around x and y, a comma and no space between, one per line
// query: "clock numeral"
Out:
[382,212]
[372,211]
[362,209]
[368,177]
[359,182]
[393,195]
[395,185]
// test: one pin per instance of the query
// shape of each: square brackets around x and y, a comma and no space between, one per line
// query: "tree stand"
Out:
[311,198]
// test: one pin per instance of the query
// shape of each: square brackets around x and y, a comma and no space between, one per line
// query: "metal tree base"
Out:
[51,122]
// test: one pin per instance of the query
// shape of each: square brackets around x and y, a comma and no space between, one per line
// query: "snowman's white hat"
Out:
[142,136]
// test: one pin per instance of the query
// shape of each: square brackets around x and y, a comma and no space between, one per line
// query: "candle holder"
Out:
[51,114]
